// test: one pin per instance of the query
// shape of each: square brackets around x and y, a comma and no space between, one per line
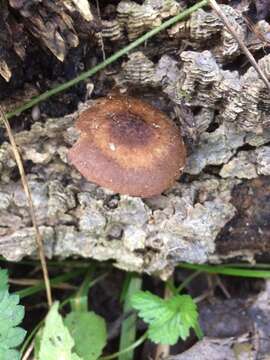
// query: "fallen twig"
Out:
[26,188]
[241,43]
[29,350]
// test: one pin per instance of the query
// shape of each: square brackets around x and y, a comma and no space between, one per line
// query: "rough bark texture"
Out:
[56,25]
[79,218]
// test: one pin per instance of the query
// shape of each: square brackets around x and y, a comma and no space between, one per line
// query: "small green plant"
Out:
[55,341]
[11,315]
[168,319]
[80,336]
[89,333]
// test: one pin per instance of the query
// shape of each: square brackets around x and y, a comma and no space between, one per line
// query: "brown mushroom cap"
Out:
[128,146]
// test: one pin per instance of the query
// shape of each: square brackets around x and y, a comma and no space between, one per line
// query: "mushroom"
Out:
[128,146]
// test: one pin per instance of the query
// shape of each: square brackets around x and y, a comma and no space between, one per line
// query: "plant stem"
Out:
[28,194]
[67,300]
[57,280]
[187,280]
[129,348]
[80,301]
[128,328]
[224,270]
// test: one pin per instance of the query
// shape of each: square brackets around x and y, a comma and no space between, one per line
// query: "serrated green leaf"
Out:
[11,315]
[56,341]
[14,337]
[150,306]
[89,333]
[9,354]
[168,319]
[166,332]
[184,306]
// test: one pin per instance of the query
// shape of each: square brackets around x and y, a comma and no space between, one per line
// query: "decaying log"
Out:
[199,81]
[78,218]
[202,30]
[57,26]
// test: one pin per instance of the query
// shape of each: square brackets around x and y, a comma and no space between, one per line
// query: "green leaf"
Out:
[168,319]
[132,285]
[89,333]
[3,280]
[150,306]
[11,315]
[56,341]
[37,342]
[9,354]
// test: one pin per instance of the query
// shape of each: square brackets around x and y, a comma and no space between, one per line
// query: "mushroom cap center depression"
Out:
[129,129]
[129,140]
[128,146]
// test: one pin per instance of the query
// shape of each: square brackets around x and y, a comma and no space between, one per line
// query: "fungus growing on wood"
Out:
[128,146]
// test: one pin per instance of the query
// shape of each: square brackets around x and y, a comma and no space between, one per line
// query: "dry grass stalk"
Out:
[28,352]
[241,43]
[26,188]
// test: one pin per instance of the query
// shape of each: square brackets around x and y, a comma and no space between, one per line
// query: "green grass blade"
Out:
[57,280]
[225,270]
[125,287]
[66,301]
[128,328]
[108,61]
[170,285]
[52,263]
[187,280]
[248,266]
[80,301]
